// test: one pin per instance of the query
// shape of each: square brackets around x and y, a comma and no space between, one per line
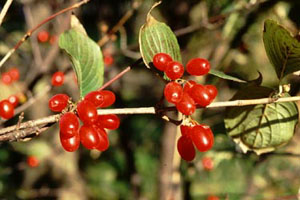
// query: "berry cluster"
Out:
[10,76]
[92,133]
[186,95]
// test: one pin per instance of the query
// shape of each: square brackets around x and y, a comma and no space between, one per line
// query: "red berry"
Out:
[68,125]
[14,100]
[202,138]
[95,98]
[187,88]
[111,121]
[43,36]
[103,139]
[108,60]
[14,74]
[207,163]
[212,91]
[70,144]
[52,39]
[6,109]
[173,92]
[58,78]
[58,102]
[174,70]
[198,66]
[161,60]
[212,197]
[6,78]
[87,112]
[185,130]
[200,95]
[32,161]
[186,105]
[186,148]
[88,137]
[108,98]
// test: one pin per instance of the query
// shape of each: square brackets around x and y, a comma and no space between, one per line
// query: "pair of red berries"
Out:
[7,106]
[58,78]
[174,70]
[199,136]
[10,76]
[44,36]
[92,133]
[186,98]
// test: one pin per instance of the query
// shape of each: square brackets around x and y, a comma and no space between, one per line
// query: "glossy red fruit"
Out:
[108,60]
[87,112]
[212,197]
[43,36]
[14,73]
[68,125]
[212,91]
[187,88]
[58,102]
[109,98]
[6,78]
[202,138]
[103,139]
[95,98]
[161,60]
[207,163]
[186,130]
[88,137]
[111,121]
[14,100]
[6,109]
[174,70]
[186,148]
[58,78]
[198,66]
[186,105]
[32,161]
[200,95]
[173,92]
[70,144]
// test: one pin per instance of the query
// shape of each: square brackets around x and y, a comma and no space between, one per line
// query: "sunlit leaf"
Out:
[87,60]
[263,127]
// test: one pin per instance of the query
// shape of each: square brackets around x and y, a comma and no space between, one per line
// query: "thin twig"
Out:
[4,10]
[29,127]
[28,34]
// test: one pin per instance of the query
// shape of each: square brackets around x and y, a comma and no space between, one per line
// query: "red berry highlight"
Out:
[161,60]
[173,92]
[87,112]
[108,98]
[68,125]
[58,102]
[70,144]
[186,148]
[111,121]
[202,138]
[96,98]
[14,100]
[6,109]
[58,78]
[198,66]
[174,70]
[88,137]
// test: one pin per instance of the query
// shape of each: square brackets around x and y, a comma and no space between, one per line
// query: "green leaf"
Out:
[282,48]
[156,37]
[263,127]
[225,76]
[87,60]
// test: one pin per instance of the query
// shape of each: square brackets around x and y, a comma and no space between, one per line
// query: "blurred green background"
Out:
[142,161]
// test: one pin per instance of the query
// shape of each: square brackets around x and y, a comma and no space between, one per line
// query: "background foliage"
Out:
[138,165]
